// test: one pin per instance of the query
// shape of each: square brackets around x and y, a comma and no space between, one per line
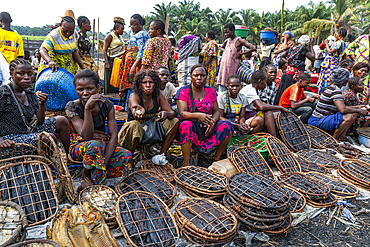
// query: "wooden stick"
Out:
[93,46]
[331,216]
[98,39]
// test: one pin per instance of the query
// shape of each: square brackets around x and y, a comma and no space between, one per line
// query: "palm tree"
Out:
[223,17]
[193,26]
[161,10]
[252,20]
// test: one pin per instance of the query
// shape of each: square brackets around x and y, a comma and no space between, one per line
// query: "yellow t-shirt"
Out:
[11,45]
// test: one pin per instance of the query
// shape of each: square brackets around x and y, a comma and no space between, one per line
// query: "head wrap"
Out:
[304,40]
[119,20]
[322,46]
[288,32]
[340,76]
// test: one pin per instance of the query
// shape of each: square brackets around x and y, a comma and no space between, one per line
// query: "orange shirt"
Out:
[292,93]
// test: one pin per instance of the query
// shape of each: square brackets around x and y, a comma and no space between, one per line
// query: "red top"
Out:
[292,93]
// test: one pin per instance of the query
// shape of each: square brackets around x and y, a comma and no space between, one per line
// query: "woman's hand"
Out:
[132,72]
[90,104]
[6,144]
[284,111]
[42,97]
[244,129]
[163,115]
[52,65]
[209,129]
[138,111]
[107,66]
[206,119]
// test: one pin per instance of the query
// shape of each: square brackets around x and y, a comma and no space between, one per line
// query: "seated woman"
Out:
[361,70]
[101,158]
[331,113]
[256,108]
[268,94]
[232,108]
[22,113]
[147,102]
[295,100]
[198,104]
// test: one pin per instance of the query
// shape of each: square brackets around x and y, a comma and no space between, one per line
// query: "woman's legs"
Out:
[186,151]
[257,124]
[169,138]
[62,129]
[341,132]
[270,123]
[221,148]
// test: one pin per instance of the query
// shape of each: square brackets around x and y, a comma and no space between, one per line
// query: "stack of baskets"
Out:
[259,202]
[167,171]
[205,222]
[201,182]
[356,172]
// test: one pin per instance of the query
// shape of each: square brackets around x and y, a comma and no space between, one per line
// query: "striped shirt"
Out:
[56,42]
[326,105]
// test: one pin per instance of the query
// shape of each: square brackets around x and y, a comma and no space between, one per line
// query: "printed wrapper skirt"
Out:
[64,61]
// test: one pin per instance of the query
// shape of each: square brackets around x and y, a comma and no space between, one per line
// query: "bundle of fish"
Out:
[205,222]
[30,185]
[356,172]
[82,226]
[102,198]
[201,182]
[148,181]
[347,150]
[13,223]
[167,171]
[317,193]
[259,202]
[145,220]
[36,243]
[321,158]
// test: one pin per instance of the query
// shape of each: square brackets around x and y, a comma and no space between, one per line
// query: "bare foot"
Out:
[85,182]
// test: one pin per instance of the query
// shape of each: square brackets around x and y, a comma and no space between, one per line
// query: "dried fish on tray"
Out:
[293,132]
[356,172]
[102,198]
[167,171]
[337,186]
[331,200]
[20,149]
[201,180]
[319,138]
[365,158]
[145,220]
[297,200]
[36,243]
[308,166]
[309,187]
[13,223]
[282,157]
[30,185]
[148,181]
[82,226]
[250,161]
[321,158]
[347,150]
[205,222]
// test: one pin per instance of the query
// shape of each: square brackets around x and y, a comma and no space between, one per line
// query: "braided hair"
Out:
[81,20]
[68,19]
[139,77]
[139,18]
[353,82]
[18,61]
[342,32]
[159,24]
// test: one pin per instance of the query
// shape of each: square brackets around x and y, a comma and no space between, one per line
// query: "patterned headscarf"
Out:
[340,76]
[119,20]
[304,40]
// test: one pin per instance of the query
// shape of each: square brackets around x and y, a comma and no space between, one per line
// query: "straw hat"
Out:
[69,13]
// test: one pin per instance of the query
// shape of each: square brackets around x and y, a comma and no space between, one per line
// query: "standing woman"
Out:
[332,61]
[84,43]
[113,47]
[131,61]
[59,48]
[295,58]
[209,53]
[157,49]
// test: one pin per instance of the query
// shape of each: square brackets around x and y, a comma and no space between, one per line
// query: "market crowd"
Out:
[192,90]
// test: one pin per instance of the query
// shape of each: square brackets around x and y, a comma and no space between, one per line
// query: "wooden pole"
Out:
[93,46]
[98,39]
[282,18]
[167,23]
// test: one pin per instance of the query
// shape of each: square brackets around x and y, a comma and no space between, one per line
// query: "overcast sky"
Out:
[40,12]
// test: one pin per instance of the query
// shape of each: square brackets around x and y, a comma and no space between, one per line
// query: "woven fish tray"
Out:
[148,181]
[308,166]
[297,200]
[167,171]
[293,132]
[145,220]
[36,243]
[320,158]
[338,187]
[319,138]
[250,161]
[364,158]
[282,157]
[20,149]
[201,180]
[331,200]
[309,187]
[30,185]
[356,172]
[258,192]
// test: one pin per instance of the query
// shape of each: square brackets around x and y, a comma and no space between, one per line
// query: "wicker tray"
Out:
[320,158]
[337,187]
[205,218]
[30,185]
[364,158]
[258,192]
[331,200]
[20,149]
[47,147]
[293,132]
[297,200]
[250,161]
[36,243]
[309,187]
[148,181]
[197,194]
[201,180]
[319,138]
[139,215]
[344,175]
[282,157]
[347,151]
[167,171]
[357,171]
[308,166]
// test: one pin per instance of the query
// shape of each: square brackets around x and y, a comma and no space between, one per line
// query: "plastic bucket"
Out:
[59,87]
[120,123]
[241,31]
[268,36]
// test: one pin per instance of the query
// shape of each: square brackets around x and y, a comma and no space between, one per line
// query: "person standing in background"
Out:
[11,43]
[209,54]
[84,43]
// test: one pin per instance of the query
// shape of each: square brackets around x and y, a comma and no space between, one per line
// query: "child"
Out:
[267,95]
[282,65]
[166,87]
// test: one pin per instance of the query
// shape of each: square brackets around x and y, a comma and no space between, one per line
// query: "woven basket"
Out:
[282,157]
[293,132]
[135,207]
[250,161]
[197,194]
[47,147]
[342,173]
[320,158]
[42,242]
[167,171]
[308,166]
[148,181]
[364,158]
[319,138]
[297,200]
[19,234]
[331,200]
[309,187]
[347,151]
[30,184]
[356,172]
[20,149]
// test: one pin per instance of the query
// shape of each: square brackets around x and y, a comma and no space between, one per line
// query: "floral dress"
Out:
[210,50]
[156,53]
[188,132]
[350,99]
